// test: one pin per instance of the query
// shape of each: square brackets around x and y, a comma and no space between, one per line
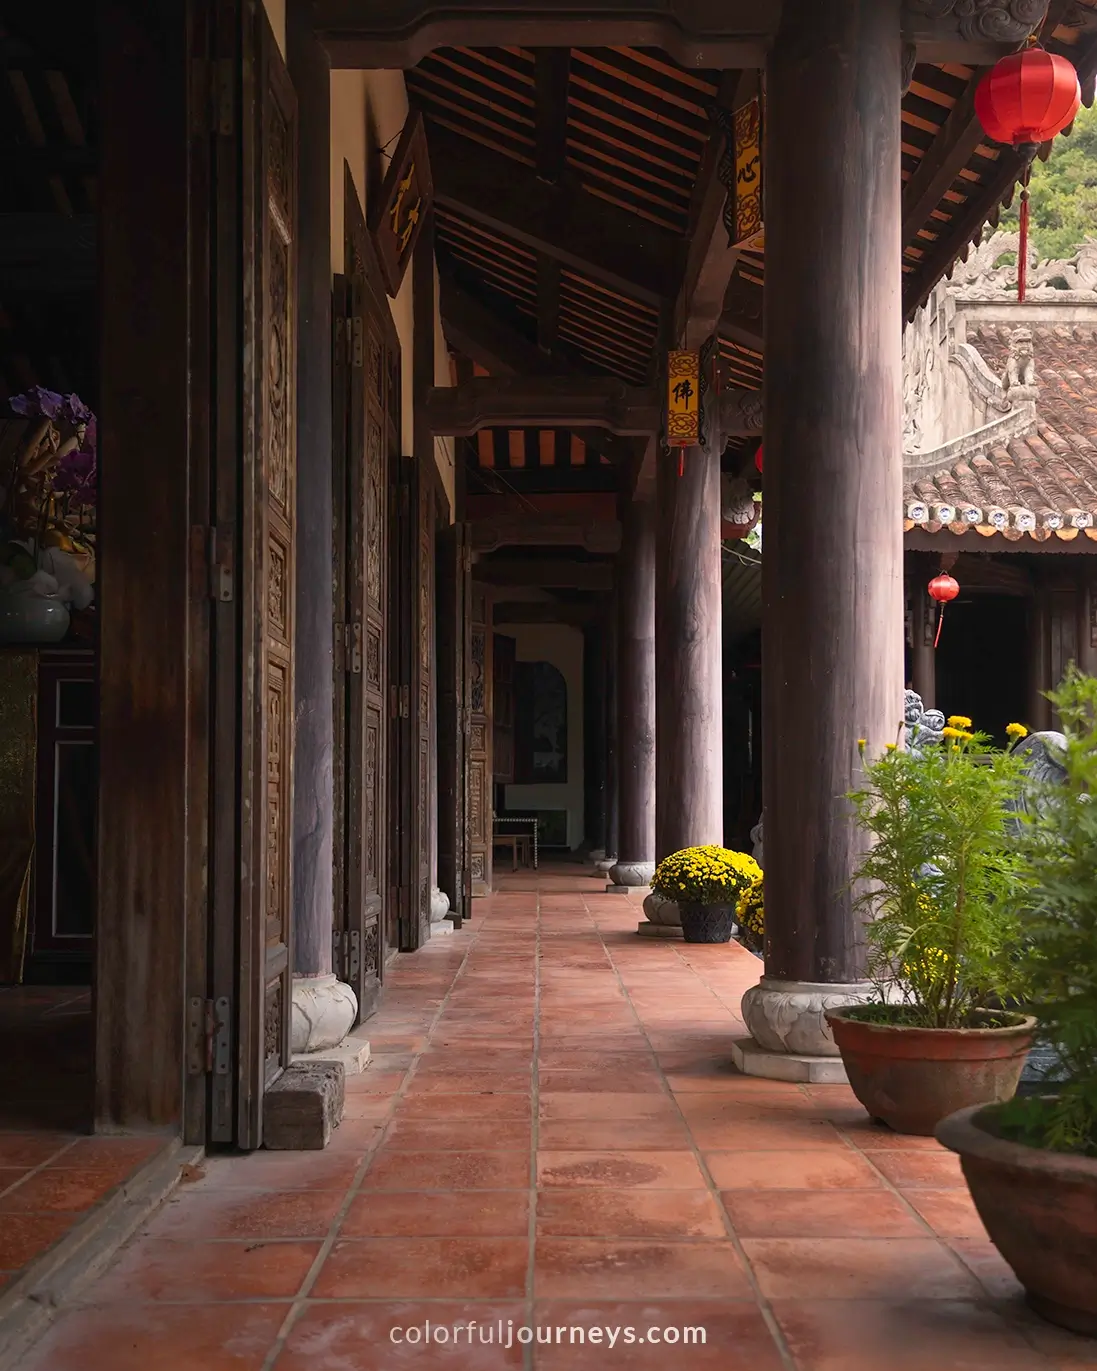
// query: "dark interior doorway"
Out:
[982,662]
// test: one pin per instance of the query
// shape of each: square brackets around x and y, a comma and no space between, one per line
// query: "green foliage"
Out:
[705,875]
[939,880]
[1059,853]
[1063,192]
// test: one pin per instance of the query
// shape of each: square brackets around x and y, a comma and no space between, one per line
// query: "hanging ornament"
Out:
[942,588]
[1024,100]
[758,459]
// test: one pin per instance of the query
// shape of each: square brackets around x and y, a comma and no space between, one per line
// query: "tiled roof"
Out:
[1038,485]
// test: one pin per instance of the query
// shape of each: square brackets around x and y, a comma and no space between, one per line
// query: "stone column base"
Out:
[787,1017]
[632,873]
[323,1011]
[753,1060]
[605,864]
[663,918]
[439,905]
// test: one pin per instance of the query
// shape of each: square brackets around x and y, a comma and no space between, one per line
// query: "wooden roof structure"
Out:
[575,185]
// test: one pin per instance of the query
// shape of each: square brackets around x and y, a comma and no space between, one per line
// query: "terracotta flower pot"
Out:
[1040,1209]
[911,1078]
[707,923]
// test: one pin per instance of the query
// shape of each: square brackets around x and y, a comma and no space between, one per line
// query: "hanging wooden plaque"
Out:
[401,208]
[683,399]
[749,232]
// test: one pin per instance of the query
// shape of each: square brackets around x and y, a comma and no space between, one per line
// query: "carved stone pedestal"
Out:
[790,1038]
[664,919]
[440,923]
[324,1008]
[632,874]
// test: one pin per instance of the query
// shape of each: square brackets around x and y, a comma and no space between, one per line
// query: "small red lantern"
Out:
[943,588]
[1025,99]
[758,459]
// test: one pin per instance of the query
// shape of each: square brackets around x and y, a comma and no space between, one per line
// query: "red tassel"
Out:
[681,461]
[1022,251]
[940,621]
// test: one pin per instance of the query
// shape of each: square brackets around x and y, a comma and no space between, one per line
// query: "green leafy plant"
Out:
[1058,849]
[705,875]
[939,881]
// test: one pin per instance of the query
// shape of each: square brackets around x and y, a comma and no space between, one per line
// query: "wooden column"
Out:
[832,580]
[636,697]
[612,754]
[314,723]
[1039,654]
[923,656]
[594,740]
[689,779]
[152,721]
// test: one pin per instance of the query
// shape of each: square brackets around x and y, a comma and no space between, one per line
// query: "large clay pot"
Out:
[707,923]
[911,1078]
[29,617]
[1040,1209]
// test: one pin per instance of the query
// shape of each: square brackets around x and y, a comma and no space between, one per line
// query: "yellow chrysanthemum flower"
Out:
[1016,731]
[890,747]
[951,732]
[959,721]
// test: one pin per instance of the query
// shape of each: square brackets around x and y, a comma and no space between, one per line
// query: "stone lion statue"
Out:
[922,727]
[1019,377]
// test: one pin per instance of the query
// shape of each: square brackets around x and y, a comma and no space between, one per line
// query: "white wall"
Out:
[368,110]
[563,647]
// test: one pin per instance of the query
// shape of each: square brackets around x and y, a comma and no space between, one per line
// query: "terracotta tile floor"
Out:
[550,1135]
[51,1173]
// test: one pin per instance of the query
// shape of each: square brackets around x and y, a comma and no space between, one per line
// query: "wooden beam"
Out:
[568,480]
[710,259]
[525,530]
[564,222]
[548,303]
[570,402]
[542,402]
[477,332]
[552,72]
[946,157]
[548,573]
[538,612]
[734,35]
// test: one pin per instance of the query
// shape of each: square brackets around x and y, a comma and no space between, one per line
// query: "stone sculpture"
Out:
[922,727]
[1019,378]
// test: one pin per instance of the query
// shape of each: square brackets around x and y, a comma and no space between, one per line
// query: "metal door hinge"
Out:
[354,327]
[353,644]
[353,965]
[394,702]
[338,642]
[405,702]
[208,1036]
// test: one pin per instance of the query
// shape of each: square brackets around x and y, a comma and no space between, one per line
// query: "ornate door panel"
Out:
[412,611]
[453,583]
[480,789]
[369,356]
[267,580]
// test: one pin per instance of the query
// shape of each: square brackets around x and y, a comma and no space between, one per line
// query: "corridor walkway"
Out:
[550,1135]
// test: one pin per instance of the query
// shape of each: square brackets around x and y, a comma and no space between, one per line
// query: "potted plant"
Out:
[939,881]
[1031,1164]
[705,883]
[751,918]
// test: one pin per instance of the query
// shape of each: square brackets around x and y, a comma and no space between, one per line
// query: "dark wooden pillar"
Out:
[612,754]
[832,647]
[689,776]
[151,720]
[594,740]
[923,629]
[636,697]
[1039,650]
[314,614]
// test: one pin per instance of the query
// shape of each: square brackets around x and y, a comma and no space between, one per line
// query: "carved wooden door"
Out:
[269,153]
[412,611]
[366,401]
[452,589]
[480,790]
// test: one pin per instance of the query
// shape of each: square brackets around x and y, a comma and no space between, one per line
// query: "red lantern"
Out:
[1024,100]
[943,588]
[758,459]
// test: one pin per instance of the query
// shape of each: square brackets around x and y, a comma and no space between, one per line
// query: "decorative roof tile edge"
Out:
[1015,423]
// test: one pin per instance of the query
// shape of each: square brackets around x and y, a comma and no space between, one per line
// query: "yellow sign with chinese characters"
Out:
[683,399]
[749,232]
